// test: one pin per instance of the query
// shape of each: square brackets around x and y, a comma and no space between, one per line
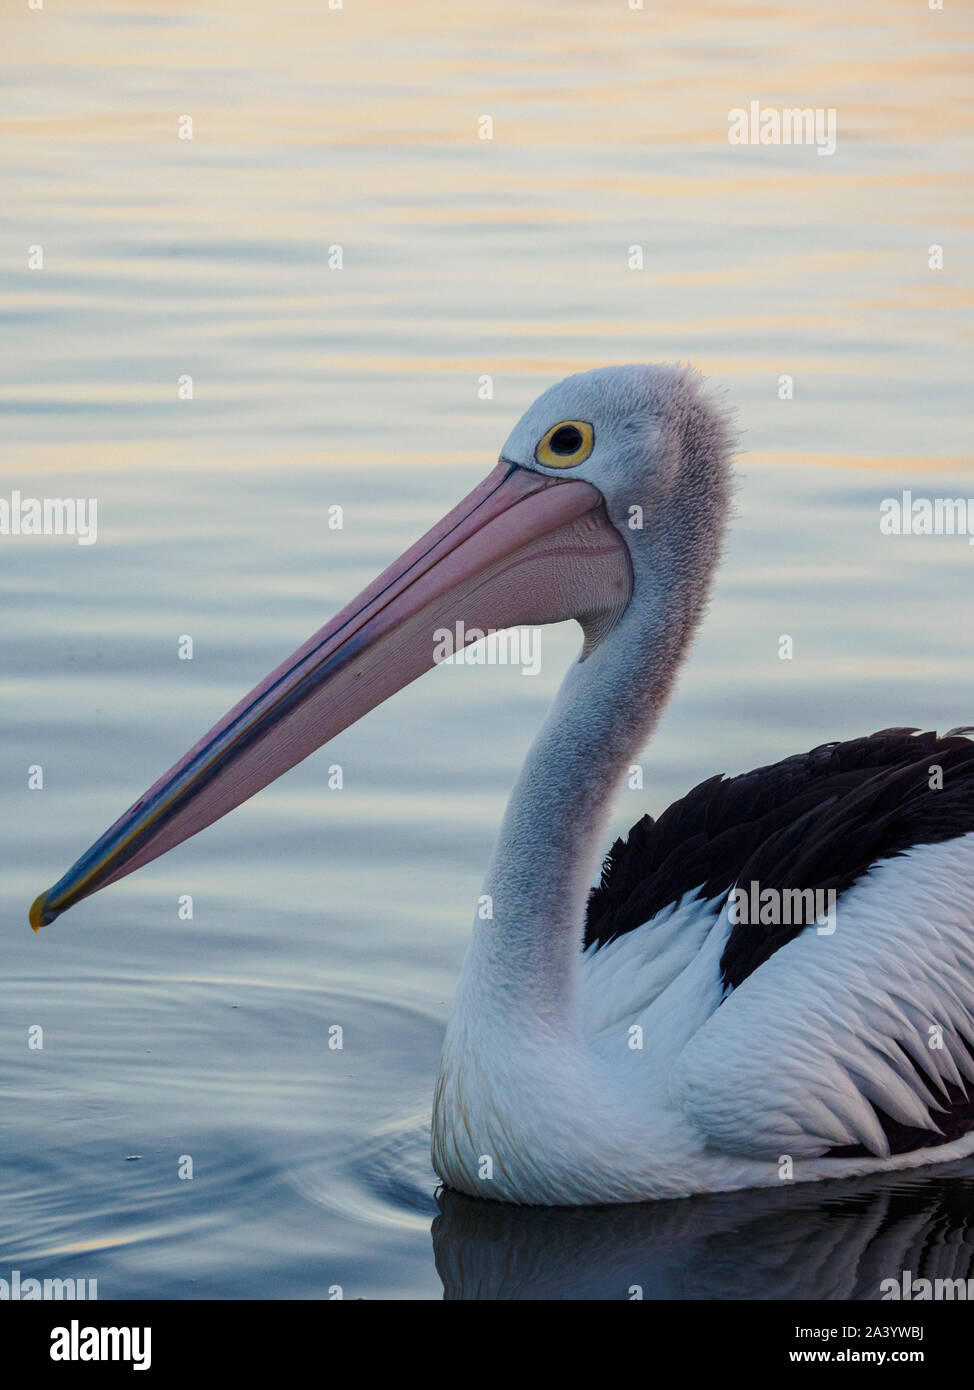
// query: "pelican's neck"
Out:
[524,958]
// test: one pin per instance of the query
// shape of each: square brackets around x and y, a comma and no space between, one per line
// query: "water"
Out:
[313,387]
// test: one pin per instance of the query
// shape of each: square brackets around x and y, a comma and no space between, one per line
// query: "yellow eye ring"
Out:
[566,444]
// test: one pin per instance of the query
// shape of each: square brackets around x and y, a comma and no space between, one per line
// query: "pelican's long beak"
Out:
[522,548]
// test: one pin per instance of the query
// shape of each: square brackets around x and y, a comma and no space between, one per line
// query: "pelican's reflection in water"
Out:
[835,1240]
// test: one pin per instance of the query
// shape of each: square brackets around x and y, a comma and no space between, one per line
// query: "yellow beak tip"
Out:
[38,912]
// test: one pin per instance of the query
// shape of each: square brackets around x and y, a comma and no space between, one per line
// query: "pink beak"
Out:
[522,548]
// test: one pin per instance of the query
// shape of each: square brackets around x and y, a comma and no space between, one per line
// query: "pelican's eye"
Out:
[566,444]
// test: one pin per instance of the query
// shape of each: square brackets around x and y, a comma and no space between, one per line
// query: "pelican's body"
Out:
[663,1081]
[643,1044]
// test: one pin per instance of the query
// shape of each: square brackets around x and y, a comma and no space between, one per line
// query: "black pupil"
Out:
[567,440]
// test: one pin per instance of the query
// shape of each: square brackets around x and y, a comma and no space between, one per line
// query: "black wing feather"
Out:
[819,820]
[815,820]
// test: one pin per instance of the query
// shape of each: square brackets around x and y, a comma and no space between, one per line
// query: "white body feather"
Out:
[721,1093]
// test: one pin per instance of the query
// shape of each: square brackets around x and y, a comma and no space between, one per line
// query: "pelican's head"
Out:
[656,444]
[550,534]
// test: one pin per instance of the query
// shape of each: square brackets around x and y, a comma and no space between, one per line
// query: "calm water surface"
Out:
[315,387]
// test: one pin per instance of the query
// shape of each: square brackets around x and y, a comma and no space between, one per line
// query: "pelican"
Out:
[647,1038]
